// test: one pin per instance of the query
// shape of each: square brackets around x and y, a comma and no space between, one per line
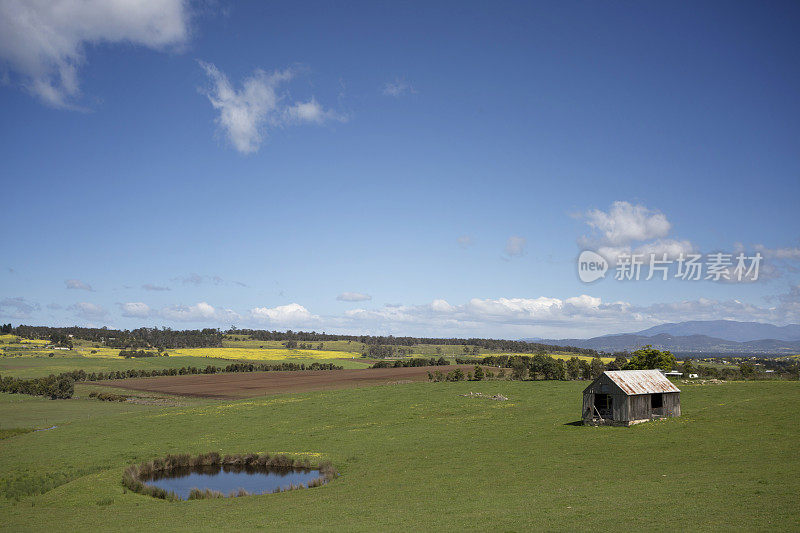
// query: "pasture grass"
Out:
[37,412]
[422,457]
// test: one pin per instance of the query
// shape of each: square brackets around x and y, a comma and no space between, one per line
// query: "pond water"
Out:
[228,479]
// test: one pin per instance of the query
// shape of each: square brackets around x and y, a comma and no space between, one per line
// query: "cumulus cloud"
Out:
[515,246]
[135,309]
[200,312]
[441,306]
[283,314]
[77,284]
[89,311]
[353,297]
[397,88]
[625,223]
[247,115]
[43,41]
[151,287]
[631,229]
[17,307]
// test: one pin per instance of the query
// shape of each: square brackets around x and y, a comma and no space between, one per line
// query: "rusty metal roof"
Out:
[641,381]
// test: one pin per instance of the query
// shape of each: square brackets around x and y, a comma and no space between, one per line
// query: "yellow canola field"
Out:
[563,356]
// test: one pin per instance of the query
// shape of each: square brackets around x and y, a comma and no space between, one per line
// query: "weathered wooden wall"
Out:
[626,408]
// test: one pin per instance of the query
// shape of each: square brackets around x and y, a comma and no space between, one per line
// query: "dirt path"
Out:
[249,384]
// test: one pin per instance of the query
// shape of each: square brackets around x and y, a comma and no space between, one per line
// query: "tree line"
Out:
[167,338]
[415,362]
[544,367]
[137,338]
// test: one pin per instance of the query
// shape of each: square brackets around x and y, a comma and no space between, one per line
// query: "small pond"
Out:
[227,479]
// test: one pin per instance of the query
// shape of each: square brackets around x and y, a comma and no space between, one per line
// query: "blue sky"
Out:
[395,168]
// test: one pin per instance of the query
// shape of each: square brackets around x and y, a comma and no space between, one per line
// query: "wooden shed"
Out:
[626,397]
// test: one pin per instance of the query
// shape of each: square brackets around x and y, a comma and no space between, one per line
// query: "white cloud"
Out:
[17,307]
[200,312]
[544,316]
[671,247]
[77,284]
[283,314]
[515,246]
[778,253]
[196,279]
[625,223]
[88,311]
[353,297]
[631,229]
[465,241]
[398,88]
[135,309]
[151,287]
[44,40]
[441,306]
[246,115]
[310,111]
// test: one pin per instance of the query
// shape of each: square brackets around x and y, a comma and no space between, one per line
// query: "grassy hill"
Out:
[421,456]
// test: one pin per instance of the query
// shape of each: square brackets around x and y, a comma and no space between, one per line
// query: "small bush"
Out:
[108,397]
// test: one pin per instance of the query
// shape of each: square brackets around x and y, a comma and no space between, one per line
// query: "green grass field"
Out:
[31,367]
[421,457]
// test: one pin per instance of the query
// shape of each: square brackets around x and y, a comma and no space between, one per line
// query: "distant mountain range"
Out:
[699,336]
[729,330]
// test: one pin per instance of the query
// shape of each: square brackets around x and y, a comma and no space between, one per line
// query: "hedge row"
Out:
[417,361]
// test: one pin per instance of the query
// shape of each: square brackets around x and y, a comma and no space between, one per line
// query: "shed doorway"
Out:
[604,404]
[656,401]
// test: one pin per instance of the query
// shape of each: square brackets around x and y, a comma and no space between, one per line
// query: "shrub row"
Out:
[108,397]
[417,361]
[127,354]
[458,375]
[54,387]
[135,477]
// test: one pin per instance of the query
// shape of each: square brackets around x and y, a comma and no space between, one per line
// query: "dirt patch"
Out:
[249,384]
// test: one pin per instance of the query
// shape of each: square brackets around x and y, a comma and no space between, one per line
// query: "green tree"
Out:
[519,370]
[618,363]
[586,369]
[647,358]
[747,369]
[478,373]
[597,367]
[573,368]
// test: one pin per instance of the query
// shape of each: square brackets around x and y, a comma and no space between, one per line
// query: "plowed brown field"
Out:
[249,384]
